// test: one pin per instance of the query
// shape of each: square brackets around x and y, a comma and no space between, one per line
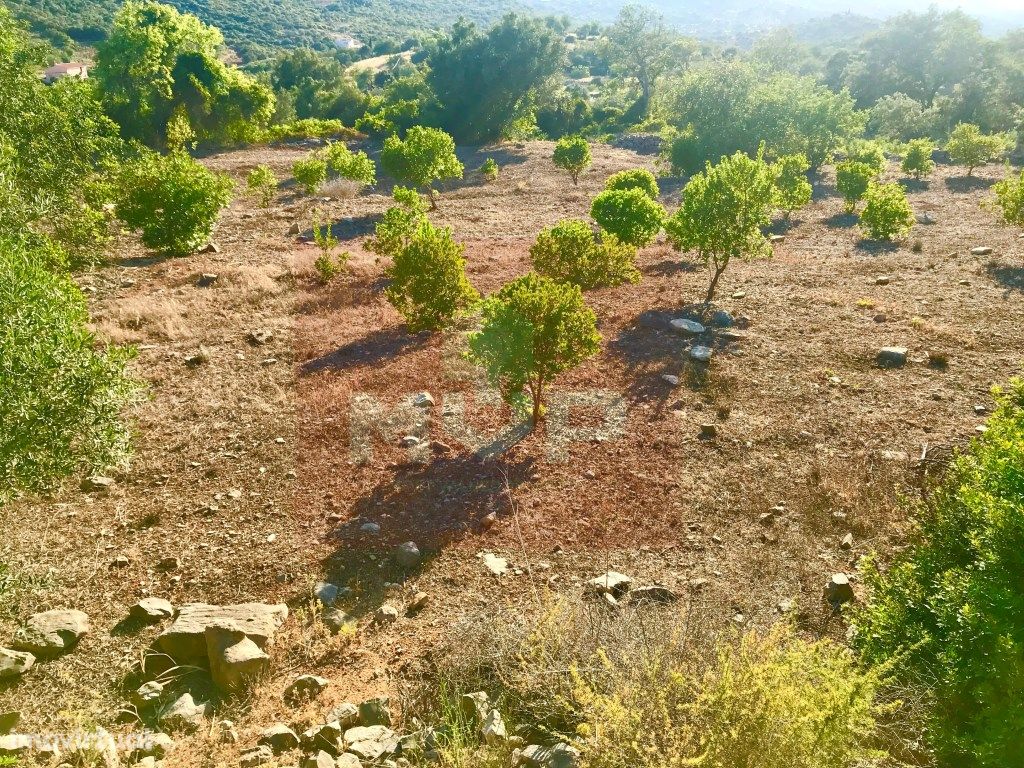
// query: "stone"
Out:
[184,639]
[15,745]
[982,250]
[121,561]
[424,400]
[305,688]
[280,738]
[260,336]
[326,593]
[475,707]
[207,279]
[493,730]
[408,555]
[838,589]
[235,659]
[708,431]
[701,354]
[151,609]
[371,528]
[321,759]
[51,632]
[147,694]
[654,593]
[147,762]
[197,358]
[370,742]
[776,238]
[260,755]
[346,713]
[210,247]
[670,379]
[294,229]
[14,663]
[228,732]
[348,760]
[612,583]
[560,755]
[496,565]
[687,327]
[337,620]
[185,714]
[386,614]
[375,711]
[322,737]
[418,602]
[722,319]
[97,484]
[8,719]
[847,541]
[892,357]
[155,745]
[924,218]
[882,280]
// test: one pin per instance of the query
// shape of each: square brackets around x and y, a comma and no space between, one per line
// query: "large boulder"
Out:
[280,738]
[185,714]
[235,658]
[559,756]
[370,743]
[184,640]
[375,711]
[51,632]
[14,663]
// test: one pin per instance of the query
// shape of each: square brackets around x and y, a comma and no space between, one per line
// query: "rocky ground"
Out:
[264,475]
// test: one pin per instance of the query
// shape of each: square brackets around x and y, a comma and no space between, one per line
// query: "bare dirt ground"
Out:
[245,487]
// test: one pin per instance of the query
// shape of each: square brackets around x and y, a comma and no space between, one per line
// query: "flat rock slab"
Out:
[14,663]
[701,354]
[371,742]
[51,632]
[151,609]
[687,327]
[185,639]
[892,357]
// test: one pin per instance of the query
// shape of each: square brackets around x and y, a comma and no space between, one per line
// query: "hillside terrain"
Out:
[248,483]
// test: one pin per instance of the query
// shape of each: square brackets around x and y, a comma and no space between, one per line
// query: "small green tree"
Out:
[490,169]
[570,252]
[886,214]
[722,213]
[354,166]
[398,223]
[629,214]
[968,146]
[1010,199]
[638,178]
[852,181]
[572,153]
[173,200]
[310,172]
[425,156]
[533,329]
[326,265]
[262,182]
[428,279]
[869,153]
[793,190]
[917,161]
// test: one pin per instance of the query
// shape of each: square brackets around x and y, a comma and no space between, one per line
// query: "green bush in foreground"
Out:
[852,181]
[354,166]
[398,224]
[572,153]
[950,608]
[310,172]
[262,182]
[629,214]
[1010,200]
[490,169]
[886,214]
[870,153]
[638,178]
[533,329]
[917,161]
[61,398]
[570,252]
[173,201]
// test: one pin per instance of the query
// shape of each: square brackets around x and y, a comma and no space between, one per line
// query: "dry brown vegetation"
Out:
[804,419]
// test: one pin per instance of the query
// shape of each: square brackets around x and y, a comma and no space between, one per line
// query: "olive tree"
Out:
[571,252]
[533,329]
[968,146]
[572,153]
[425,155]
[722,213]
[629,214]
[399,222]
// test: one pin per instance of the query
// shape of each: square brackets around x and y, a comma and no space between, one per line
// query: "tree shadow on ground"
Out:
[875,247]
[911,184]
[820,188]
[385,344]
[1011,278]
[348,228]
[968,184]
[842,220]
[669,267]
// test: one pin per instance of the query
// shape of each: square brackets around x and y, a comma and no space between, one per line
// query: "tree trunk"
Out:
[433,200]
[714,285]
[536,391]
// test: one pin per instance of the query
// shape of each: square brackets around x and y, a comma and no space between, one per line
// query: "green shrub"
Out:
[722,213]
[61,399]
[572,153]
[425,156]
[570,252]
[428,279]
[310,172]
[490,169]
[354,166]
[948,612]
[793,190]
[398,223]
[1010,200]
[173,200]
[852,181]
[968,146]
[326,266]
[262,182]
[638,178]
[308,128]
[629,214]
[772,701]
[533,329]
[917,161]
[870,153]
[886,214]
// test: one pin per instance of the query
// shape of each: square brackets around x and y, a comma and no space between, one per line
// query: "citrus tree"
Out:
[629,214]
[310,172]
[572,153]
[722,213]
[886,214]
[1010,199]
[852,181]
[637,178]
[968,146]
[917,160]
[533,329]
[425,156]
[354,166]
[791,184]
[571,252]
[262,182]
[399,222]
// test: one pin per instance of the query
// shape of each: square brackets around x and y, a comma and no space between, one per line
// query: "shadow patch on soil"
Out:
[911,184]
[875,247]
[669,267]
[842,221]
[968,184]
[1011,278]
[383,345]
[340,294]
